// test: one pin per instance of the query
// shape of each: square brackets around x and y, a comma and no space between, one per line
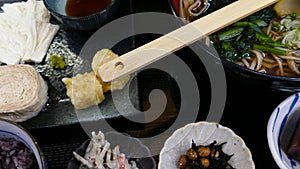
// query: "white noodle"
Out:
[279,65]
[245,62]
[292,65]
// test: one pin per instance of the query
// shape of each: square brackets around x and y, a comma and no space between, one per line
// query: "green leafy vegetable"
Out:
[230,33]
[237,40]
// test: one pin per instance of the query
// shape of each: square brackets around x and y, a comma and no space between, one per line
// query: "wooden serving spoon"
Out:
[177,39]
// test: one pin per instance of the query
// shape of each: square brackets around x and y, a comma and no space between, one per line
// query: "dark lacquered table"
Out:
[246,112]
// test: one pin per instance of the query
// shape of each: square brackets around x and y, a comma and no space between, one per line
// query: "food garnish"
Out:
[205,157]
[57,62]
[99,155]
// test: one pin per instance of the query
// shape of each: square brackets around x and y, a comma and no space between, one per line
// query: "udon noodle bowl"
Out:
[267,41]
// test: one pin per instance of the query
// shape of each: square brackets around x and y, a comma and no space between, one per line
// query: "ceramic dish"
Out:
[243,74]
[133,148]
[281,125]
[13,130]
[89,22]
[204,133]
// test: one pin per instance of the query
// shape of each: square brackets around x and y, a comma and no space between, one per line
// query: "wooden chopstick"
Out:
[177,39]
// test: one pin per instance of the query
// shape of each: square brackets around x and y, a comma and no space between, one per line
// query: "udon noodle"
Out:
[189,9]
[282,29]
[193,9]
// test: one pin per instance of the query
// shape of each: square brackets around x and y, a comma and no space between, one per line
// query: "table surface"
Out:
[246,112]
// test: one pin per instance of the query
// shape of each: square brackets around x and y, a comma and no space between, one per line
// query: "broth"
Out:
[264,42]
[79,8]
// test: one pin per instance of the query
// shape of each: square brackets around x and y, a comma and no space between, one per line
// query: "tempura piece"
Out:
[84,90]
[104,56]
[286,7]
[87,90]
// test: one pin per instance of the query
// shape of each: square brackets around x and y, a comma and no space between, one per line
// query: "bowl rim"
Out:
[270,125]
[115,133]
[232,65]
[247,150]
[81,17]
[43,159]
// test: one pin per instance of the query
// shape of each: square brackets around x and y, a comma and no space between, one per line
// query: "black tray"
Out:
[59,111]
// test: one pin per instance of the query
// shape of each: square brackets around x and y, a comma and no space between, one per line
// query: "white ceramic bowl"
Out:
[10,129]
[204,133]
[281,125]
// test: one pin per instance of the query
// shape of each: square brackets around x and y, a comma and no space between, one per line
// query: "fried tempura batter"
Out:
[87,89]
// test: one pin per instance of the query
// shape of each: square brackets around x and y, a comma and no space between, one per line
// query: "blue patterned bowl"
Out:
[90,22]
[281,126]
[13,130]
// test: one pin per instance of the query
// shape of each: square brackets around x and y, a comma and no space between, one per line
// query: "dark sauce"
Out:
[79,8]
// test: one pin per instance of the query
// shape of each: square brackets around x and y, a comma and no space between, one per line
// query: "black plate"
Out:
[59,111]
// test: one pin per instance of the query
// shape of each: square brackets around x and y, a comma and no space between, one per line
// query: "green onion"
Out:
[269,49]
[260,23]
[230,33]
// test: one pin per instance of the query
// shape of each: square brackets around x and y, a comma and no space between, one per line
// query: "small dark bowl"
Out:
[248,76]
[90,22]
[134,149]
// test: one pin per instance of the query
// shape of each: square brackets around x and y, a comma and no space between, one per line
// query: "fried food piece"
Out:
[84,90]
[87,89]
[104,56]
[286,7]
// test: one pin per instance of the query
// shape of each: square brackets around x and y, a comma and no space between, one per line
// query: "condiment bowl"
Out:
[205,133]
[93,21]
[280,130]
[12,130]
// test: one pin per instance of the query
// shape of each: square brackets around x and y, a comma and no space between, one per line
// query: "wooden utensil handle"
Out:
[177,39]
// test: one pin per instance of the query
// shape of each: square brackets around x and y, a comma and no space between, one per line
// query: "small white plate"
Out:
[204,133]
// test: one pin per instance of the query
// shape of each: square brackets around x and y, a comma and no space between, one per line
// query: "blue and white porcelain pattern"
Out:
[10,129]
[281,125]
